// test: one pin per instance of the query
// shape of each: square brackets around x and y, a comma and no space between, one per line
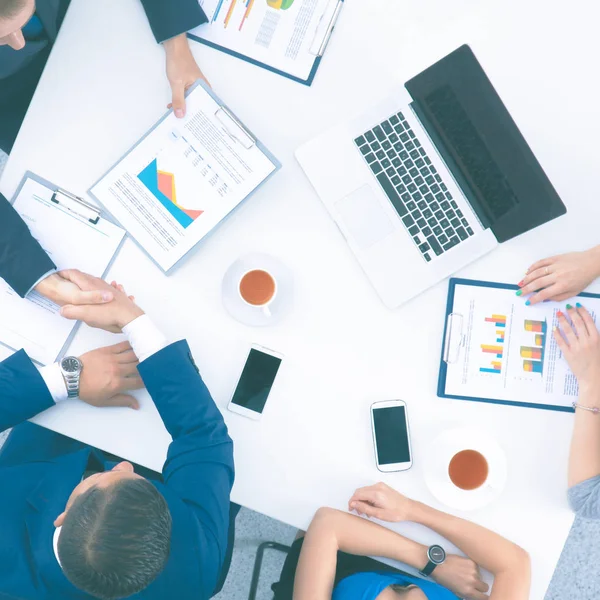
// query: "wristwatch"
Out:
[436,555]
[71,368]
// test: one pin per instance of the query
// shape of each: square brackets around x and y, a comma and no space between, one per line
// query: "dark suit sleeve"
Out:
[199,467]
[22,260]
[23,392]
[169,18]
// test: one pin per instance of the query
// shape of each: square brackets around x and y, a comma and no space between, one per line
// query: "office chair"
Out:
[258,564]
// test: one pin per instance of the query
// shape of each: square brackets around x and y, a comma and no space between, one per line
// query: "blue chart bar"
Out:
[495,371]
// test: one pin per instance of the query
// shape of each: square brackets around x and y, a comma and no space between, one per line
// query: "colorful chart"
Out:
[280,4]
[161,185]
[534,355]
[498,320]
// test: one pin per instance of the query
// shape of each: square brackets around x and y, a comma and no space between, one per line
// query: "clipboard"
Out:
[79,208]
[453,340]
[318,46]
[235,129]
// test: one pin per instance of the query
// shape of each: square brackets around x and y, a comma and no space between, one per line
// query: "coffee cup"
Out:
[258,288]
[468,470]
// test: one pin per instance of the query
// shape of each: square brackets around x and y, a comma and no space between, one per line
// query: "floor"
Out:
[576,577]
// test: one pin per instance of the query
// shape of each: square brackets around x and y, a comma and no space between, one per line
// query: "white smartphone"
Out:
[255,383]
[391,435]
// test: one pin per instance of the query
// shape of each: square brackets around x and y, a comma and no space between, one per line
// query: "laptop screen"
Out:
[471,150]
[482,145]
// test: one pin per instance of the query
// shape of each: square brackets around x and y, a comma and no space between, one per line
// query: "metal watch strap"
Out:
[72,383]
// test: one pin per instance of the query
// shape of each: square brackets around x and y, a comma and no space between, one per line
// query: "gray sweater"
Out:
[585,498]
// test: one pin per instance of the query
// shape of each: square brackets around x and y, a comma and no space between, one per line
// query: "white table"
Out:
[102,89]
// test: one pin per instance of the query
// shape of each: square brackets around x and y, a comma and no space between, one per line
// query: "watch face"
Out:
[70,364]
[437,555]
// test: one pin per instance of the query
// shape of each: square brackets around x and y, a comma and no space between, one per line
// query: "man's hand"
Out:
[461,576]
[182,71]
[107,373]
[111,317]
[62,291]
[382,502]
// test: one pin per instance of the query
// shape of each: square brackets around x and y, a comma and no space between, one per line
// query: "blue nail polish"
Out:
[527,303]
[578,305]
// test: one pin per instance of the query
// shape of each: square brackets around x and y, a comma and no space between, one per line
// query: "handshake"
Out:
[107,372]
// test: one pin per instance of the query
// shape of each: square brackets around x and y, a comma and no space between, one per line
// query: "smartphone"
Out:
[391,436]
[255,383]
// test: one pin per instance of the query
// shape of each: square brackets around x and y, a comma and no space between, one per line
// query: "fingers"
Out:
[560,341]
[364,508]
[129,370]
[73,312]
[566,329]
[543,295]
[178,89]
[482,586]
[365,494]
[81,280]
[535,281]
[123,400]
[545,262]
[476,595]
[134,382]
[120,347]
[578,323]
[97,297]
[589,322]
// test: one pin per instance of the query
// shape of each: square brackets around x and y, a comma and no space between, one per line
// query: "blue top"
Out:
[367,586]
[33,29]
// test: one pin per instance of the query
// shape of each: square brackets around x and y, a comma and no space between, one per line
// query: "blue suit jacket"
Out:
[39,469]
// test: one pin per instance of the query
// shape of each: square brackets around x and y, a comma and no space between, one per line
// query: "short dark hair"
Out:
[116,540]
[10,8]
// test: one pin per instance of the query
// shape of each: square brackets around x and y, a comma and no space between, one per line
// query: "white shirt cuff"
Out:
[40,279]
[55,382]
[145,338]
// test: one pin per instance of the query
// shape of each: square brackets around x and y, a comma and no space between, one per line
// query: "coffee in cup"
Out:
[468,470]
[258,288]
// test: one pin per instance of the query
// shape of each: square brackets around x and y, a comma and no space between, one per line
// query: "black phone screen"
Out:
[256,381]
[391,435]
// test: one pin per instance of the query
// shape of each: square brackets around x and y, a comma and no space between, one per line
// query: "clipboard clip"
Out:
[234,128]
[324,33]
[454,338]
[76,205]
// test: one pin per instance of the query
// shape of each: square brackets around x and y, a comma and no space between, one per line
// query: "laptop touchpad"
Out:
[363,217]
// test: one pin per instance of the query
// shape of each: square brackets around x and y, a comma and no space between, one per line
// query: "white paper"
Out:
[283,34]
[182,179]
[508,350]
[72,242]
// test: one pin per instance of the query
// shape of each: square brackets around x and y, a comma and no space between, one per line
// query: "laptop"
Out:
[420,189]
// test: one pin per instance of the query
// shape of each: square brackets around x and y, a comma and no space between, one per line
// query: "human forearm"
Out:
[584,460]
[332,531]
[488,549]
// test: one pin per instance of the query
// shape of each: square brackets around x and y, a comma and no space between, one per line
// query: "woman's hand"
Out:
[461,576]
[561,277]
[579,342]
[381,502]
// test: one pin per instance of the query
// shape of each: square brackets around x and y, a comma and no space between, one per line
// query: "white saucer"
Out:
[436,469]
[253,315]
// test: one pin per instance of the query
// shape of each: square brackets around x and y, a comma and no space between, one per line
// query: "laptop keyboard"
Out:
[414,187]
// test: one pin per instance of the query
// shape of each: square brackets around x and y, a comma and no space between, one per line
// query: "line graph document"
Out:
[183,178]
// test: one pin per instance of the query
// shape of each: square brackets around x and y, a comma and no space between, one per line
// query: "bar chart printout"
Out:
[533,356]
[497,331]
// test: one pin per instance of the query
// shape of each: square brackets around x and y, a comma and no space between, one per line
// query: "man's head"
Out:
[14,15]
[115,536]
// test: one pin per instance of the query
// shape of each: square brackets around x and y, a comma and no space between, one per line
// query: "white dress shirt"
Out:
[145,339]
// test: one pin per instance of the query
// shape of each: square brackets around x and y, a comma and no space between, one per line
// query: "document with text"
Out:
[499,349]
[184,177]
[72,241]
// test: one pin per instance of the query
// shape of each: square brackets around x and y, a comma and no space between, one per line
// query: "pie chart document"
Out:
[184,177]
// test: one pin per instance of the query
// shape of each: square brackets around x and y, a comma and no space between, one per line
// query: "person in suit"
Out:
[28,29]
[78,523]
